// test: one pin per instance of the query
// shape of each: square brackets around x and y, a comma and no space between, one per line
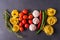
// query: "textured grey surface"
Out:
[29,4]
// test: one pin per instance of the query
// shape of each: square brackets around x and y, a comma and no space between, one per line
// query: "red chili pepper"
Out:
[40,17]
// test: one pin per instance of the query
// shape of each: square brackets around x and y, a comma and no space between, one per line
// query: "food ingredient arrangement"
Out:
[19,21]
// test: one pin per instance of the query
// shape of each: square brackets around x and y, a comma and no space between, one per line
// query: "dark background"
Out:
[29,4]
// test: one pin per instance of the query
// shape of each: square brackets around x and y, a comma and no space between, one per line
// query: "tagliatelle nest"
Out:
[51,20]
[48,29]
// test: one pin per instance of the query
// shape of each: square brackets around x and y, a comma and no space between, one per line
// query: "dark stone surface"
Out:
[29,4]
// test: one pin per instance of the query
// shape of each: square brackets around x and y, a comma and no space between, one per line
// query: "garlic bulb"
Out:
[32,27]
[35,13]
[35,20]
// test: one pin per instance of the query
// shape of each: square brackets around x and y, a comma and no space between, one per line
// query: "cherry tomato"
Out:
[25,17]
[26,25]
[30,21]
[21,14]
[24,21]
[20,24]
[20,18]
[21,29]
[25,11]
[30,16]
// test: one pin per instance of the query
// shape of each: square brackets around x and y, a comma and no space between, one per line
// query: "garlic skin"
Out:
[35,13]
[35,20]
[32,27]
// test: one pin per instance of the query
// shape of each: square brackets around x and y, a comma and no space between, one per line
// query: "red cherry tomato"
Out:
[25,17]
[25,11]
[30,21]
[21,29]
[20,24]
[21,14]
[26,25]
[30,16]
[20,18]
[24,21]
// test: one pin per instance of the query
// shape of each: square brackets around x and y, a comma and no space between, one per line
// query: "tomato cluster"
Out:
[25,19]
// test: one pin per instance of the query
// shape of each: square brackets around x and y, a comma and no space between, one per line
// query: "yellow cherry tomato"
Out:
[14,13]
[51,11]
[13,20]
[15,28]
[51,20]
[48,29]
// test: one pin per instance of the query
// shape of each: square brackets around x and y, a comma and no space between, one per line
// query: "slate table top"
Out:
[29,4]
